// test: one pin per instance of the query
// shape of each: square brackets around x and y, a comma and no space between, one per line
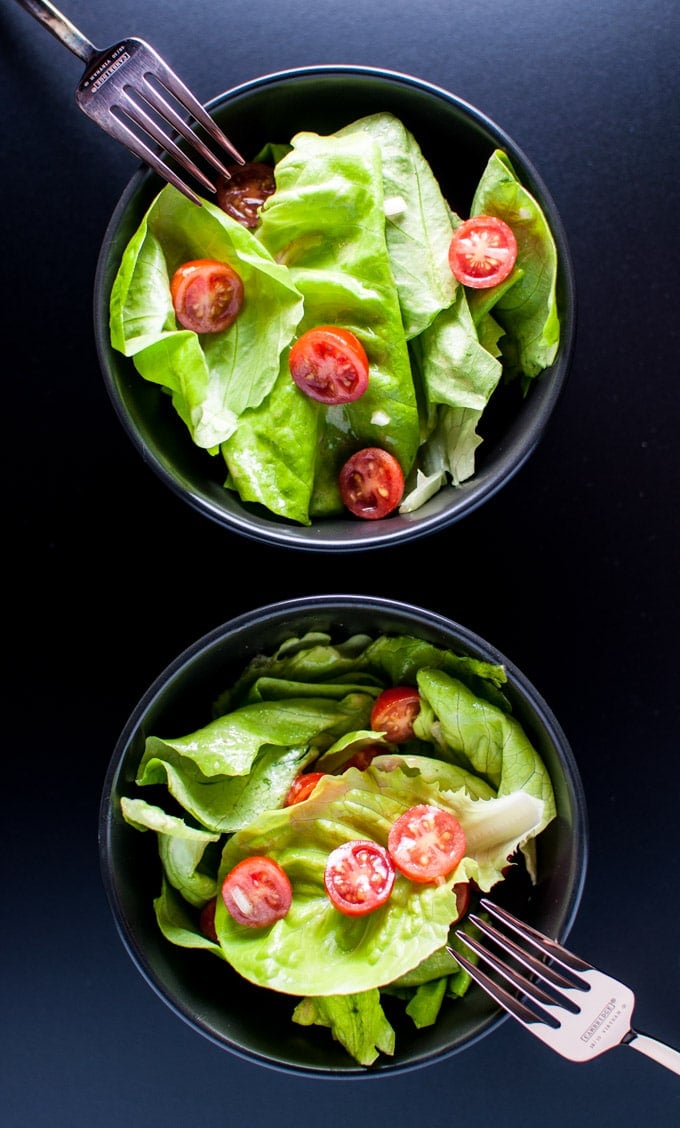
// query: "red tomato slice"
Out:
[426,843]
[363,757]
[359,876]
[482,252]
[257,892]
[243,194]
[301,787]
[206,921]
[207,295]
[371,483]
[462,891]
[394,712]
[329,365]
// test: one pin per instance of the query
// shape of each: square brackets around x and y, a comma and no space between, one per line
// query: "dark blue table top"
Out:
[572,569]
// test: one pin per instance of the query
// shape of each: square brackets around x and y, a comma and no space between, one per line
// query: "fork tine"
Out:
[182,93]
[122,132]
[126,81]
[534,996]
[548,947]
[499,994]
[172,118]
[163,74]
[132,110]
[547,974]
[504,969]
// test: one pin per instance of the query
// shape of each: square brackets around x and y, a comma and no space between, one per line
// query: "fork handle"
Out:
[63,30]
[658,1051]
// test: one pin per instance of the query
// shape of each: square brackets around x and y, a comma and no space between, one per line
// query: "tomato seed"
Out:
[243,902]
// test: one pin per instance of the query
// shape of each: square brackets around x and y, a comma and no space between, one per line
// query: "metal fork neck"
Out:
[657,1051]
[62,28]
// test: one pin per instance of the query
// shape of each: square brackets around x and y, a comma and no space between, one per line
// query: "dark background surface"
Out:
[571,570]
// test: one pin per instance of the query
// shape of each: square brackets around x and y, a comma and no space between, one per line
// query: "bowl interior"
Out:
[255,1023]
[457,140]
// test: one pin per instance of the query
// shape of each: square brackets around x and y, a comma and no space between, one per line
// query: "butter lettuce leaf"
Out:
[357,1022]
[425,1005]
[326,223]
[400,657]
[227,772]
[483,738]
[178,924]
[315,949]
[459,374]
[271,455]
[457,370]
[181,848]
[311,659]
[527,310]
[361,663]
[212,378]
[418,222]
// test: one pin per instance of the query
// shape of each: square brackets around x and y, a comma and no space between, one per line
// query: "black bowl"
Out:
[457,140]
[253,1023]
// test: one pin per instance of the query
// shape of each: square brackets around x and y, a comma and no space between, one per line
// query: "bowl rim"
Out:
[356,535]
[277,614]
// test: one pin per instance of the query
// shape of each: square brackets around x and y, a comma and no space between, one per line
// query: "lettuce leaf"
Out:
[181,848]
[311,658]
[482,738]
[318,666]
[357,1022]
[212,378]
[426,1003]
[178,925]
[527,310]
[225,773]
[456,369]
[400,657]
[459,373]
[418,222]
[326,223]
[316,950]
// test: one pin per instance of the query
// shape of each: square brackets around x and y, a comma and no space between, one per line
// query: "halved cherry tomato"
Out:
[257,892]
[426,843]
[394,712]
[462,892]
[243,194]
[482,252]
[371,483]
[364,756]
[302,787]
[206,921]
[207,295]
[329,364]
[359,876]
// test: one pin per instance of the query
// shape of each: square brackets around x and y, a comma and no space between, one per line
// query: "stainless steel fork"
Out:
[125,90]
[578,1011]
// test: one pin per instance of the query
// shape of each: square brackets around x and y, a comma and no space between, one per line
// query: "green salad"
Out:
[221,796]
[356,234]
